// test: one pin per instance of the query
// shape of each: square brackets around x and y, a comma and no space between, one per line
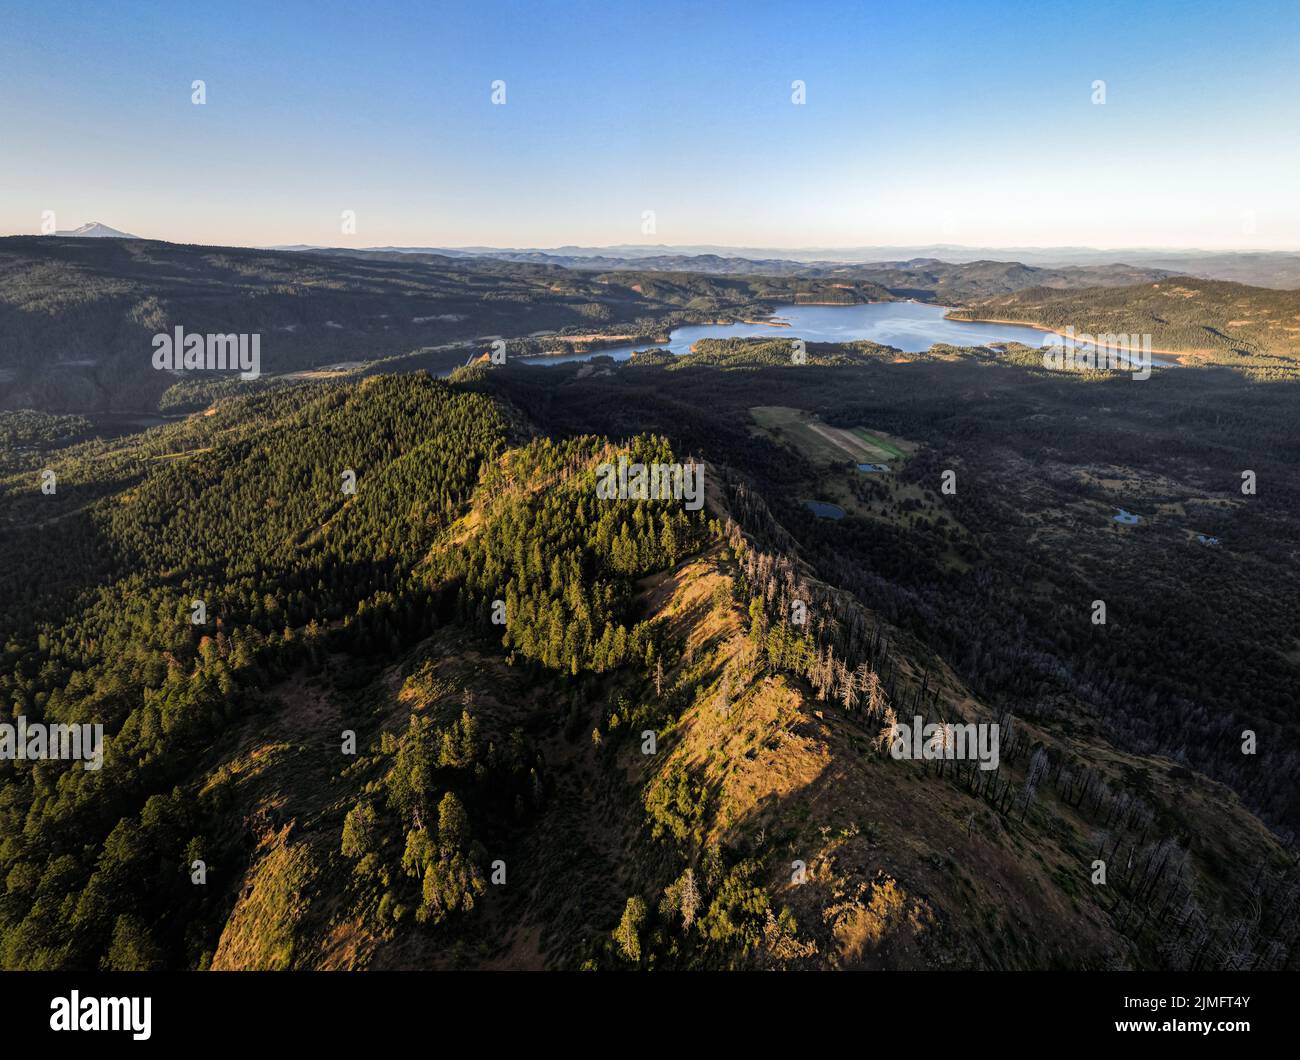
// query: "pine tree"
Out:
[627,936]
[688,898]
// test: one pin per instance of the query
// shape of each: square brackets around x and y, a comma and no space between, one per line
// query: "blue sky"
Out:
[936,122]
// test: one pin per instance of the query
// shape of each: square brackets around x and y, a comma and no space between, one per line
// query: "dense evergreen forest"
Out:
[256,526]
[249,514]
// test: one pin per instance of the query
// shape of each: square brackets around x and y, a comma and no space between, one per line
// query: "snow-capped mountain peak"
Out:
[96,230]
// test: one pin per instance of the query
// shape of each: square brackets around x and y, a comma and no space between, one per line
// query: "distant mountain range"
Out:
[924,279]
[1278,269]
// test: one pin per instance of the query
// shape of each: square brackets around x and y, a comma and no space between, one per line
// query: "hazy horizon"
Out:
[739,249]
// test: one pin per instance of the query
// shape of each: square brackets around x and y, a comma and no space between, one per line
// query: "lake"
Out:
[825,510]
[912,327]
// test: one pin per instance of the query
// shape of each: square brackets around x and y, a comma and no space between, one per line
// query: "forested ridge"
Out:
[245,512]
[258,529]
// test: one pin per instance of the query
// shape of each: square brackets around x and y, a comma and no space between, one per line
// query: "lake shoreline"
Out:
[593,344]
[907,326]
[1178,355]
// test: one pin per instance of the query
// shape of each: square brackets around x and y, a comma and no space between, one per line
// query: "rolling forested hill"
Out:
[1211,321]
